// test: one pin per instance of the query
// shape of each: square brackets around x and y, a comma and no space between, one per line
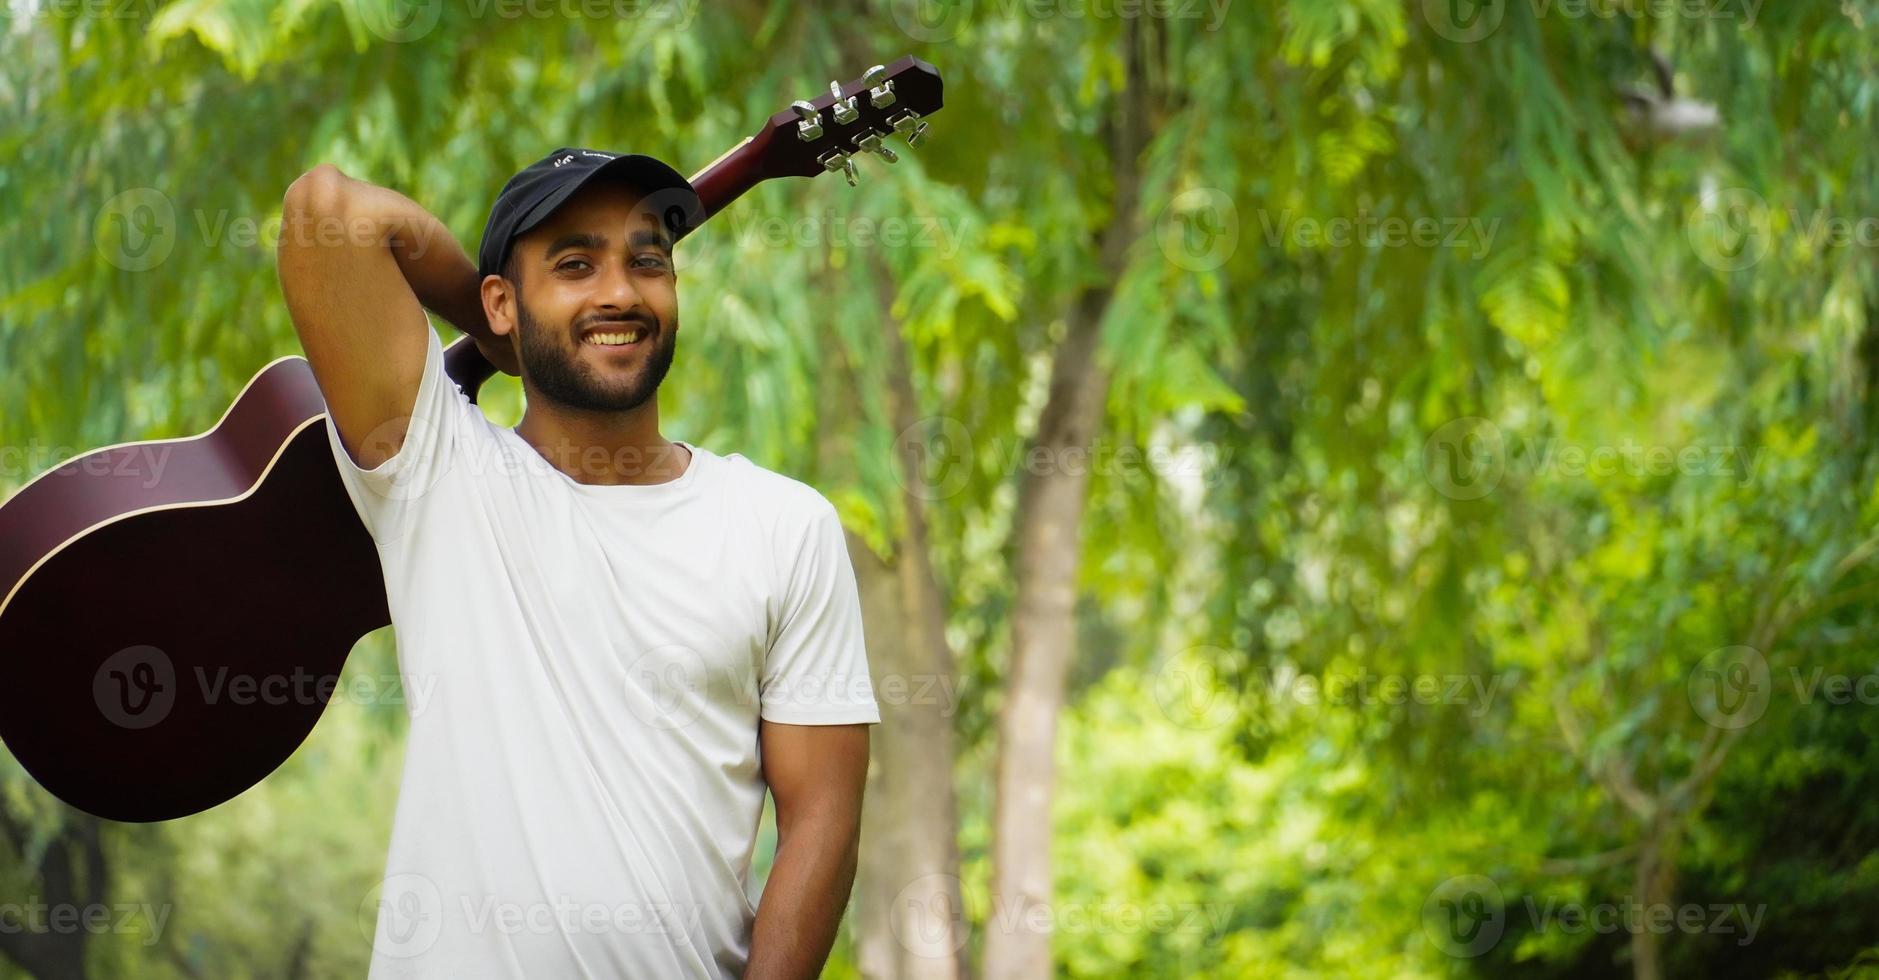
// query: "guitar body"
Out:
[178,598]
[174,614]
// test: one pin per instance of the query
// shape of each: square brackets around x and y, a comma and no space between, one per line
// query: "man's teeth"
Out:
[615,339]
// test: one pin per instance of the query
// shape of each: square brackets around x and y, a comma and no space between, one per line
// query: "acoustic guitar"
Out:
[174,614]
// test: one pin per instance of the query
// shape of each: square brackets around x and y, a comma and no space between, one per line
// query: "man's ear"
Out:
[499,305]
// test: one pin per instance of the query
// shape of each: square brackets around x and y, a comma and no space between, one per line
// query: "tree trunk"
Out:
[1049,523]
[71,875]
[1017,941]
[1654,885]
[912,924]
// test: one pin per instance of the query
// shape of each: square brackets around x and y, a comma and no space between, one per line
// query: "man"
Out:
[629,638]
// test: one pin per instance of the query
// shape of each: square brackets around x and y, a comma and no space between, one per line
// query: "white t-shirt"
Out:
[587,666]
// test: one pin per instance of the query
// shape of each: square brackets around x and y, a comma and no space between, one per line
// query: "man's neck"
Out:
[604,448]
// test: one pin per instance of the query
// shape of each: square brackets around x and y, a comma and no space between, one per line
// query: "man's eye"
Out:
[572,264]
[650,261]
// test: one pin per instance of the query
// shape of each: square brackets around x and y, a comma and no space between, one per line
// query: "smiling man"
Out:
[629,638]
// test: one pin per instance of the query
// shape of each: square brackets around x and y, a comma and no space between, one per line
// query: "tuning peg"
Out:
[880,87]
[845,111]
[910,128]
[872,144]
[835,160]
[809,123]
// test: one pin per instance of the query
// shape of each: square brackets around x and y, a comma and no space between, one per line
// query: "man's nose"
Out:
[616,289]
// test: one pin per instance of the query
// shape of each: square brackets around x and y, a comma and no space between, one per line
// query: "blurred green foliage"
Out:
[1507,489]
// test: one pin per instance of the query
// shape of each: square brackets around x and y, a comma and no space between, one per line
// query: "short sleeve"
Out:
[816,672]
[386,494]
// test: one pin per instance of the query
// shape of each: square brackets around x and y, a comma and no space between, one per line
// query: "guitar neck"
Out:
[725,179]
[722,181]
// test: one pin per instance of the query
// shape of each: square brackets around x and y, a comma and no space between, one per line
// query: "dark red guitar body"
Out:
[174,614]
[152,590]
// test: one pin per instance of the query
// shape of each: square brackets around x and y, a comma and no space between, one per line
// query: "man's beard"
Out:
[559,376]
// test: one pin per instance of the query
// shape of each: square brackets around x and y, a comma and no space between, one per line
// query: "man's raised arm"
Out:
[358,264]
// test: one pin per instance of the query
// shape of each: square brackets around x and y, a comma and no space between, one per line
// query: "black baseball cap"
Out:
[538,189]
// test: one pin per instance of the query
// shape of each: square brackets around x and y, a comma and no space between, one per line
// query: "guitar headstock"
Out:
[823,134]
